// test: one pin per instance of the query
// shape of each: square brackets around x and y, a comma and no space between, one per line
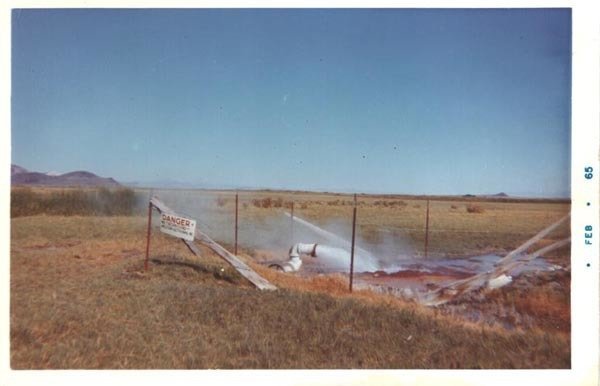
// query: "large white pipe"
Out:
[294,263]
[332,237]
[334,257]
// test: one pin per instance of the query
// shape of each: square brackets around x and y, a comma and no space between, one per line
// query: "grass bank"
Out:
[81,300]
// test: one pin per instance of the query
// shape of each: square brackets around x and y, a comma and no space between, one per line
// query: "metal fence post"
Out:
[292,223]
[427,230]
[353,239]
[236,225]
[148,236]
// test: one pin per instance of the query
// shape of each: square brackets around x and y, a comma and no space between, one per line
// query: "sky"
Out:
[400,101]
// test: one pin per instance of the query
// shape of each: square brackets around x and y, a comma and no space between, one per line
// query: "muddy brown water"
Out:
[422,275]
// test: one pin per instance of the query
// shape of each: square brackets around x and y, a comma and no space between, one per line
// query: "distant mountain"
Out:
[16,169]
[165,184]
[497,195]
[21,176]
[169,183]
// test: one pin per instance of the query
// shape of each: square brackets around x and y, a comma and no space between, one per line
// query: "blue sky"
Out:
[394,101]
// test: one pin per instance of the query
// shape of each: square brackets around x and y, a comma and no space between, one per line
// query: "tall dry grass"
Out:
[70,202]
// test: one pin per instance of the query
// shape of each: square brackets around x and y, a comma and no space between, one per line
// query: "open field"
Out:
[80,298]
[500,226]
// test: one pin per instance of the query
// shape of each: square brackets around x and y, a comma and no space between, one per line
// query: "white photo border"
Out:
[585,126]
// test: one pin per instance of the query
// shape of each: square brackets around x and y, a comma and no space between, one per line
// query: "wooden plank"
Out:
[190,244]
[482,279]
[503,266]
[533,255]
[458,287]
[239,265]
[533,240]
[162,208]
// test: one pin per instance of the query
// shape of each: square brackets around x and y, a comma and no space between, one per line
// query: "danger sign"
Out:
[178,226]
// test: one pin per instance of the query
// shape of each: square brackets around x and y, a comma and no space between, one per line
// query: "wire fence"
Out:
[389,227]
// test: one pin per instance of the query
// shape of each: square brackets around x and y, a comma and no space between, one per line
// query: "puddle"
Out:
[423,275]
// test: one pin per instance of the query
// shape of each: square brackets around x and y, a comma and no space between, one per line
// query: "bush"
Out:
[474,208]
[221,201]
[266,202]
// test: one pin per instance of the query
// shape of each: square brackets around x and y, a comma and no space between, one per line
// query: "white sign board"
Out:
[181,227]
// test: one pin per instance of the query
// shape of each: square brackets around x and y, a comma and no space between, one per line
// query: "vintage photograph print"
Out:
[290,189]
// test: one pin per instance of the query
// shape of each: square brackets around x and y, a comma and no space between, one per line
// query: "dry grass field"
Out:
[498,225]
[80,298]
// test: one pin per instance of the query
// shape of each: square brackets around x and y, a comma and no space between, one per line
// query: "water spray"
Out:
[334,257]
[335,239]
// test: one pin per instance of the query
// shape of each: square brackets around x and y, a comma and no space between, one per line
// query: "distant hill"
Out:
[16,169]
[21,176]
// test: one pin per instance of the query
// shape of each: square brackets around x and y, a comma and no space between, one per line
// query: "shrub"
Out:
[221,201]
[474,208]
[278,202]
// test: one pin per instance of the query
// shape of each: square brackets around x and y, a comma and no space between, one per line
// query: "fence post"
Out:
[352,247]
[148,236]
[427,230]
[292,223]
[236,225]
